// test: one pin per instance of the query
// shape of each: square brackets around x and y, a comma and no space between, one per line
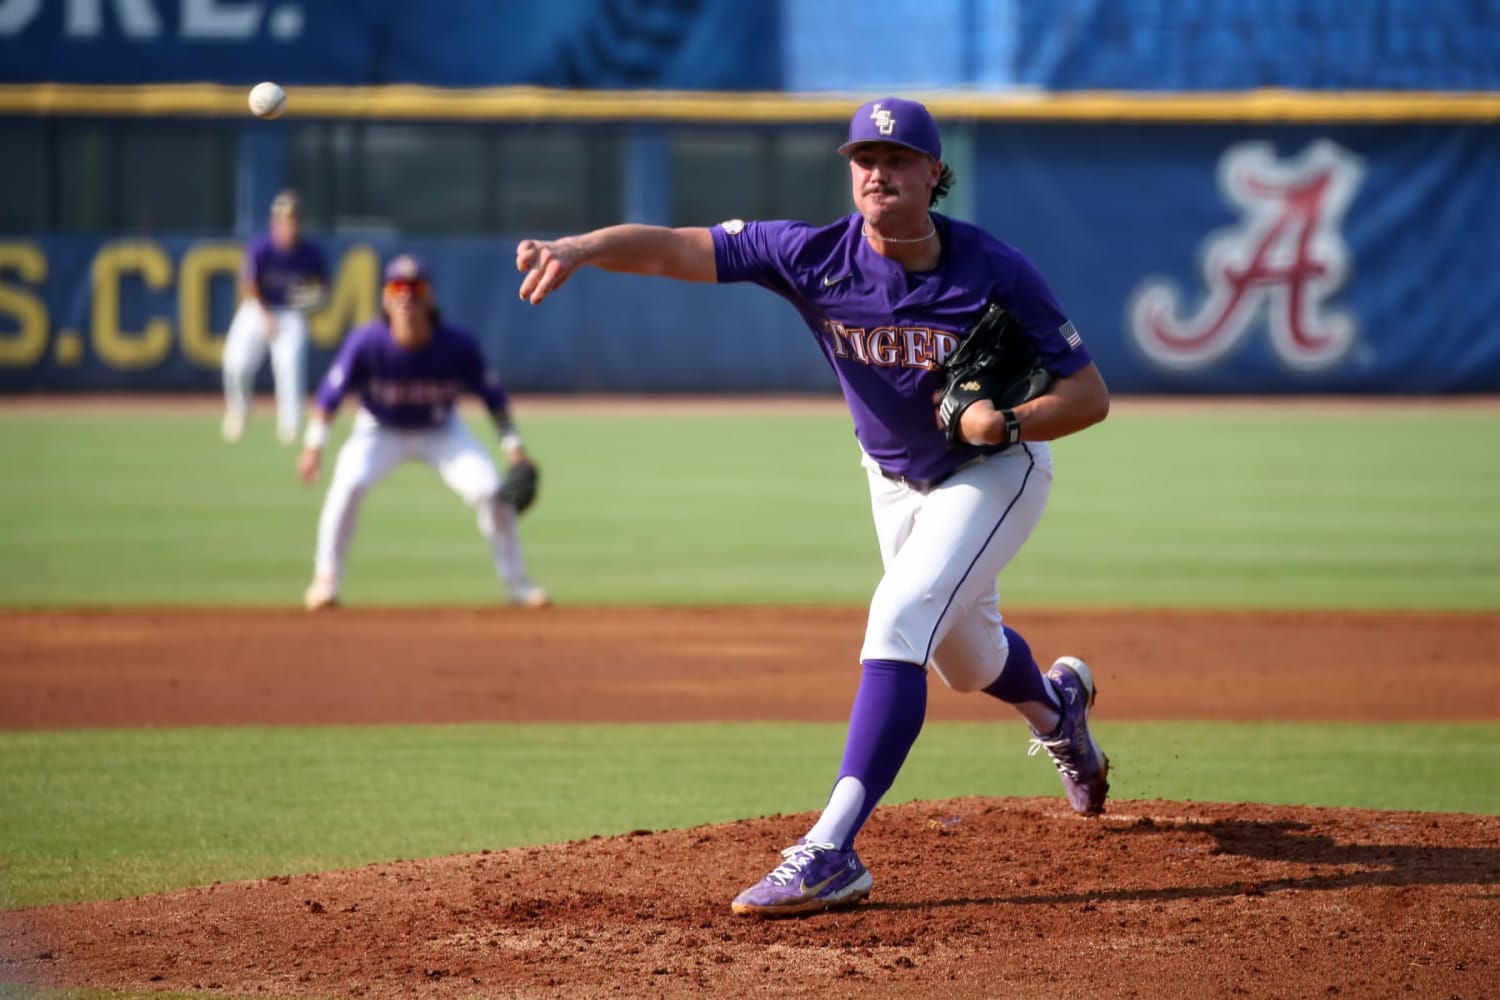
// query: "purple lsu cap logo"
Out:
[894,120]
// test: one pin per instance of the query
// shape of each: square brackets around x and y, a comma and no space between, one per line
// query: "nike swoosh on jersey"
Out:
[829,282]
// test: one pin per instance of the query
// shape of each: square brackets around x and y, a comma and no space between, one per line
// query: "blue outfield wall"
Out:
[788,45]
[454,43]
[131,313]
[1262,259]
[1144,45]
[1215,259]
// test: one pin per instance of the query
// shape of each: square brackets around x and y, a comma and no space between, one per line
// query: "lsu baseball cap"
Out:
[892,119]
[406,268]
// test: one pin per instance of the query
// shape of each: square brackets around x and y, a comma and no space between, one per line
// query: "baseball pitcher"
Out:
[957,460]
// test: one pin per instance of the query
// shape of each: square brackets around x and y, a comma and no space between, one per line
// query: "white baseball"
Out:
[267,100]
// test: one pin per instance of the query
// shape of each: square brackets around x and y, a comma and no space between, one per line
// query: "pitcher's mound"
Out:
[973,898]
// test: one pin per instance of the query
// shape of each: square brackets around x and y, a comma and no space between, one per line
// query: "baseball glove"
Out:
[994,361]
[519,487]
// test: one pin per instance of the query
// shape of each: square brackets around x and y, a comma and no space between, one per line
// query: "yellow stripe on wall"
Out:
[540,104]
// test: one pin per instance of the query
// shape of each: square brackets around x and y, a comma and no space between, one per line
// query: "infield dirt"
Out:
[979,897]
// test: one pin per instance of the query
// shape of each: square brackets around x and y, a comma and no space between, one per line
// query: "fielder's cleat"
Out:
[1080,762]
[286,435]
[233,426]
[813,878]
[322,594]
[531,597]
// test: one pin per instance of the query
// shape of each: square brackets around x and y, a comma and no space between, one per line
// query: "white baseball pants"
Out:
[370,454]
[245,349]
[938,602]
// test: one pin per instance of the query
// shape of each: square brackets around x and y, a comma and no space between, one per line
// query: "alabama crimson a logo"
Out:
[1283,261]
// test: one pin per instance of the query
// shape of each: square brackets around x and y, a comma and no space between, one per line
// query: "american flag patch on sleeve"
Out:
[1070,334]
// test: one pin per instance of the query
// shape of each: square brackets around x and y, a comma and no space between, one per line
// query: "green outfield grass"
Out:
[1343,508]
[102,814]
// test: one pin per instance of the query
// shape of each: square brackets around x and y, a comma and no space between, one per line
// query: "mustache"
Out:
[881,189]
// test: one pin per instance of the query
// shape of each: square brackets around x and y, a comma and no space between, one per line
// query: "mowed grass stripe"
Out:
[1336,509]
[102,814]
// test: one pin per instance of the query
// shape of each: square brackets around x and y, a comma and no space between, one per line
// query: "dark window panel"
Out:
[310,172]
[89,199]
[717,175]
[722,174]
[26,187]
[143,177]
[424,179]
[445,179]
[810,181]
[179,177]
[557,179]
[604,181]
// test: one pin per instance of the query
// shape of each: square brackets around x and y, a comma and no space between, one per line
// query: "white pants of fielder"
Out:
[369,455]
[245,348]
[938,602]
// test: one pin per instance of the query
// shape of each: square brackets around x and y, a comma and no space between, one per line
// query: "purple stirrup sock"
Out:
[1020,679]
[887,717]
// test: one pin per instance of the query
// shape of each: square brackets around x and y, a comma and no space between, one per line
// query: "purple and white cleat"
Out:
[1080,762]
[813,878]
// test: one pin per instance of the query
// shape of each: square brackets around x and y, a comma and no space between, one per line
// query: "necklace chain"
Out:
[931,232]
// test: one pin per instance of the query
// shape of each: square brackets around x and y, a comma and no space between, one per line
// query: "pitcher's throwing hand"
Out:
[546,264]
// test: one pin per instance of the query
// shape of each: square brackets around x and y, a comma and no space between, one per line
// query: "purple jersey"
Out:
[410,389]
[885,329]
[276,273]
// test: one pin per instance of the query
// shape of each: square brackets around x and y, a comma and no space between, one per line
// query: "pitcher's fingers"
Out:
[528,283]
[553,273]
[535,286]
[526,252]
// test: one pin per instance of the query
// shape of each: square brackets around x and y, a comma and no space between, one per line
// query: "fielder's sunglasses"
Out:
[411,286]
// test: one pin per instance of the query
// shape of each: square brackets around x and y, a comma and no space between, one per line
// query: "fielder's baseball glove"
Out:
[520,485]
[994,361]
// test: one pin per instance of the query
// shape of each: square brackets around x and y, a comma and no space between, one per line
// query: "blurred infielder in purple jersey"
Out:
[888,292]
[409,370]
[284,277]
